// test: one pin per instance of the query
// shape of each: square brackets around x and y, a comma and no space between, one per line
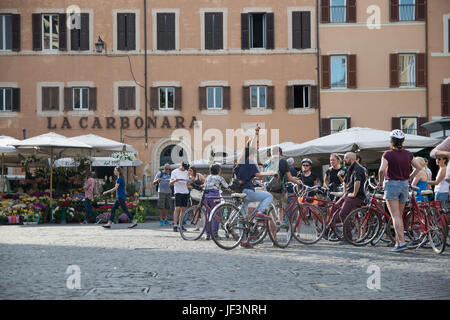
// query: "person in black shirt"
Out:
[331,179]
[306,176]
[355,178]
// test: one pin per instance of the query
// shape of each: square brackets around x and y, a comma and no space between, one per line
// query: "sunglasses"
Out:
[439,159]
[306,165]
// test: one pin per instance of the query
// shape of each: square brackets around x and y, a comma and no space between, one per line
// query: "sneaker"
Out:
[208,238]
[161,223]
[183,228]
[167,223]
[246,245]
[261,216]
[84,222]
[400,248]
[175,229]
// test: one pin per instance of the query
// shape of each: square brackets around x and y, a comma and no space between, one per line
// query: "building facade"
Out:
[302,67]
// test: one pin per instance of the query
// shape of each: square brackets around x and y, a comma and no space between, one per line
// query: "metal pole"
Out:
[51,173]
[146,83]
[317,68]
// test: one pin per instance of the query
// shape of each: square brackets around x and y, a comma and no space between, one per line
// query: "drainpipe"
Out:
[317,67]
[427,105]
[146,80]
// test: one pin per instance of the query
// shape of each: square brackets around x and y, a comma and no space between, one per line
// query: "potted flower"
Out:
[3,219]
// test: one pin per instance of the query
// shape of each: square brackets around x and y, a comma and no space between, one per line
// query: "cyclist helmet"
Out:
[397,134]
[307,160]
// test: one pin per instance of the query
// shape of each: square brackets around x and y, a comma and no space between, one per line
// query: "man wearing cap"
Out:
[180,180]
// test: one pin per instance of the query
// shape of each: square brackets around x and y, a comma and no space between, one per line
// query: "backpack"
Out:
[275,184]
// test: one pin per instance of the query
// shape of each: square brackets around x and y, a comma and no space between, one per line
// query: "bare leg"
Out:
[396,209]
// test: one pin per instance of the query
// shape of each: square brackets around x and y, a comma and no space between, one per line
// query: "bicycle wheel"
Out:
[361,226]
[193,223]
[307,224]
[228,225]
[437,231]
[279,230]
[381,235]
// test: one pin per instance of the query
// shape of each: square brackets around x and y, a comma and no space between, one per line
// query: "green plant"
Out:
[130,189]
[3,219]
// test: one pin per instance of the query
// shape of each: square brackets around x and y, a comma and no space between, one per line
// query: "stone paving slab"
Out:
[153,262]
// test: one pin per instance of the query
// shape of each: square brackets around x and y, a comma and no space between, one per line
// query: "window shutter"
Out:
[245,97]
[326,127]
[122,98]
[270,97]
[16,99]
[445,100]
[45,98]
[131,103]
[84,32]
[394,12]
[15,32]
[421,131]
[154,98]
[75,39]
[270,31]
[349,123]
[68,105]
[289,97]
[131,31]
[160,30]
[325,11]
[351,71]
[209,31]
[394,76]
[395,123]
[297,30]
[314,96]
[421,10]
[218,31]
[245,32]
[226,98]
[62,32]
[170,31]
[202,98]
[93,99]
[54,98]
[326,75]
[121,35]
[351,11]
[178,98]
[37,31]
[421,76]
[306,30]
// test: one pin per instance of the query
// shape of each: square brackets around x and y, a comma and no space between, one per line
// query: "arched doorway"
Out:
[171,154]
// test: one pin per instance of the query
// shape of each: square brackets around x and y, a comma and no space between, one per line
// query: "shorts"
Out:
[181,199]
[279,199]
[164,200]
[396,190]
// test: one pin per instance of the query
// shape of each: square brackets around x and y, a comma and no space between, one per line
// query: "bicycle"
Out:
[234,224]
[421,224]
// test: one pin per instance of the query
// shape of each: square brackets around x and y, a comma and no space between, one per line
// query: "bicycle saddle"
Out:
[426,193]
[337,194]
[239,195]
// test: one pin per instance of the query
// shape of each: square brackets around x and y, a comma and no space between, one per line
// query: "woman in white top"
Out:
[442,187]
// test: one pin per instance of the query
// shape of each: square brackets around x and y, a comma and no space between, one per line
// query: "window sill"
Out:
[302,111]
[127,113]
[258,112]
[167,112]
[9,114]
[50,113]
[80,113]
[217,112]
[440,54]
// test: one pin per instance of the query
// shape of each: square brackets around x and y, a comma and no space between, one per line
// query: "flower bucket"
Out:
[10,219]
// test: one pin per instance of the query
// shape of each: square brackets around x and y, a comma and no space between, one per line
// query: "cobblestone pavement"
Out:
[153,262]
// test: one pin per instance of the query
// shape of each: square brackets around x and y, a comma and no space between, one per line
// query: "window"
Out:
[338,125]
[214,98]
[126,31]
[258,97]
[338,71]
[301,96]
[127,98]
[80,98]
[165,31]
[408,125]
[338,11]
[214,31]
[258,30]
[6,99]
[407,10]
[166,98]
[301,30]
[5,32]
[80,37]
[50,32]
[50,98]
[407,70]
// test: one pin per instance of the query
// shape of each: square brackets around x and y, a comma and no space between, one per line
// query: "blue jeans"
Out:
[442,197]
[88,209]
[122,204]
[263,197]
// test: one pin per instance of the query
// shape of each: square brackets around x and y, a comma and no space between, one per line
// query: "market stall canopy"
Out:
[103,146]
[6,144]
[356,139]
[99,162]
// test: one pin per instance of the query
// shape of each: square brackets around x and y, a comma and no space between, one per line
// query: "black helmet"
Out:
[185,165]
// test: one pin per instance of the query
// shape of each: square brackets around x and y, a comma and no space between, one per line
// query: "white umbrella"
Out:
[99,162]
[364,139]
[103,146]
[6,147]
[50,143]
